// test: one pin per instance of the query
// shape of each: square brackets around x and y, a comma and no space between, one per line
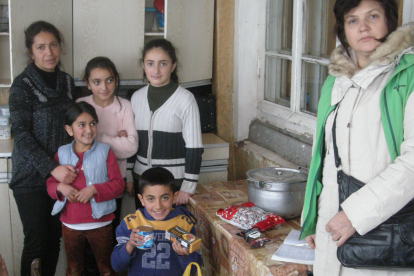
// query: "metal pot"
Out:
[277,190]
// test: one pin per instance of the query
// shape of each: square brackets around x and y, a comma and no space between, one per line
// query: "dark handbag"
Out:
[389,245]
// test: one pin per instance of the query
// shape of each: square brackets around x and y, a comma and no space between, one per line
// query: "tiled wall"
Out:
[4,95]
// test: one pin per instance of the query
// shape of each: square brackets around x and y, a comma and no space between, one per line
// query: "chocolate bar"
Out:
[186,239]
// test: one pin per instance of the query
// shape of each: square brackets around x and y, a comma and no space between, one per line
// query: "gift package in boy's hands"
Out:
[186,239]
[247,216]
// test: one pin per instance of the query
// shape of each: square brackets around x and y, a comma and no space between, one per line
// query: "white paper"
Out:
[294,250]
[293,239]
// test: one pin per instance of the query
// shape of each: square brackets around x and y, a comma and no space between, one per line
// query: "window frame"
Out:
[248,69]
[275,113]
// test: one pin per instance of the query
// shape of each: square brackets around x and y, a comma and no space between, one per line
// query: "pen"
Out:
[301,244]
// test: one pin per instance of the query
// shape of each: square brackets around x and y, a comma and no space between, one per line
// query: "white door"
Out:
[6,247]
[189,25]
[112,28]
[25,12]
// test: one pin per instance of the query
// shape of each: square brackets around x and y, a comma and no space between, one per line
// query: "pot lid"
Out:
[277,175]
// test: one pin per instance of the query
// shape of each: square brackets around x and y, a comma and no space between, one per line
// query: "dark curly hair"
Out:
[156,176]
[34,29]
[342,7]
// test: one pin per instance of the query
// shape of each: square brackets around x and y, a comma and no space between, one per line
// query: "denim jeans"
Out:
[42,232]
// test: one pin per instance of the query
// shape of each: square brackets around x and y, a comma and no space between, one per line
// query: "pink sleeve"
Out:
[124,147]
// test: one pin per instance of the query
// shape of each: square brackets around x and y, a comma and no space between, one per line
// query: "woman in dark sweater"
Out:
[38,99]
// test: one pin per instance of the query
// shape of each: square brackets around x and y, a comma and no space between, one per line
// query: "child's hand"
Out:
[85,194]
[135,240]
[122,133]
[182,198]
[130,188]
[68,191]
[64,173]
[179,249]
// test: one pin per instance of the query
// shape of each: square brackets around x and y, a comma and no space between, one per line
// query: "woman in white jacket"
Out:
[372,47]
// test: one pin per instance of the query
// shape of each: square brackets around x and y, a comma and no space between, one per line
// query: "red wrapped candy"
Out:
[246,216]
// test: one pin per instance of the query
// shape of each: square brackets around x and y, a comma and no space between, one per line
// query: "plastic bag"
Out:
[247,216]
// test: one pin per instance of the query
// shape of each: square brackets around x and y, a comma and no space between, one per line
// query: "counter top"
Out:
[211,140]
[225,253]
[6,147]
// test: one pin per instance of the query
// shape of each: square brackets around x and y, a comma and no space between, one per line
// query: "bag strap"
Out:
[335,147]
[188,269]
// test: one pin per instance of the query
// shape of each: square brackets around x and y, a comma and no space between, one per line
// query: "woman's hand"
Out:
[67,191]
[85,194]
[311,240]
[122,133]
[340,228]
[134,241]
[179,250]
[182,198]
[130,188]
[64,173]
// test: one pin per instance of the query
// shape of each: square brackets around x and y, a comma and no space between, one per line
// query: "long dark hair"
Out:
[342,7]
[168,48]
[41,26]
[104,63]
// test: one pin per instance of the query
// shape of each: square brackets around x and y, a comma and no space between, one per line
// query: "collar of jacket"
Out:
[341,64]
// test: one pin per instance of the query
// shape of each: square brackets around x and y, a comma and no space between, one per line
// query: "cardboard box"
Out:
[186,239]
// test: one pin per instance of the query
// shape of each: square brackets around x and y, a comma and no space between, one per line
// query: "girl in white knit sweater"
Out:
[167,120]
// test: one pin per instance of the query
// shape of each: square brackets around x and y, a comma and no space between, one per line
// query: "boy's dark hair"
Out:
[76,109]
[41,26]
[342,7]
[156,176]
[103,63]
[168,48]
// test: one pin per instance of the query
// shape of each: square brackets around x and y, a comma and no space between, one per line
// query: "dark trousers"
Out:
[100,240]
[42,232]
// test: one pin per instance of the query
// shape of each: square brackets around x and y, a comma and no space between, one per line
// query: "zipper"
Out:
[386,105]
[150,138]
[389,124]
[150,142]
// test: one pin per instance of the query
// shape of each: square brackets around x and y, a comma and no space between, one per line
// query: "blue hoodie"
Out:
[161,259]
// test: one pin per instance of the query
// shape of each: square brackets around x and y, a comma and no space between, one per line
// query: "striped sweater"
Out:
[170,137]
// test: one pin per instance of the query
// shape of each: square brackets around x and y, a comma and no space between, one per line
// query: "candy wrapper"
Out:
[247,216]
[254,238]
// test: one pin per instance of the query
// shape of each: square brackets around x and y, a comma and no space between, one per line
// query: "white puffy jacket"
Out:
[363,150]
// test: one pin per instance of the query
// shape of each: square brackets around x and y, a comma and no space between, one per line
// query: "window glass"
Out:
[280,70]
[279,25]
[313,77]
[316,40]
[318,28]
